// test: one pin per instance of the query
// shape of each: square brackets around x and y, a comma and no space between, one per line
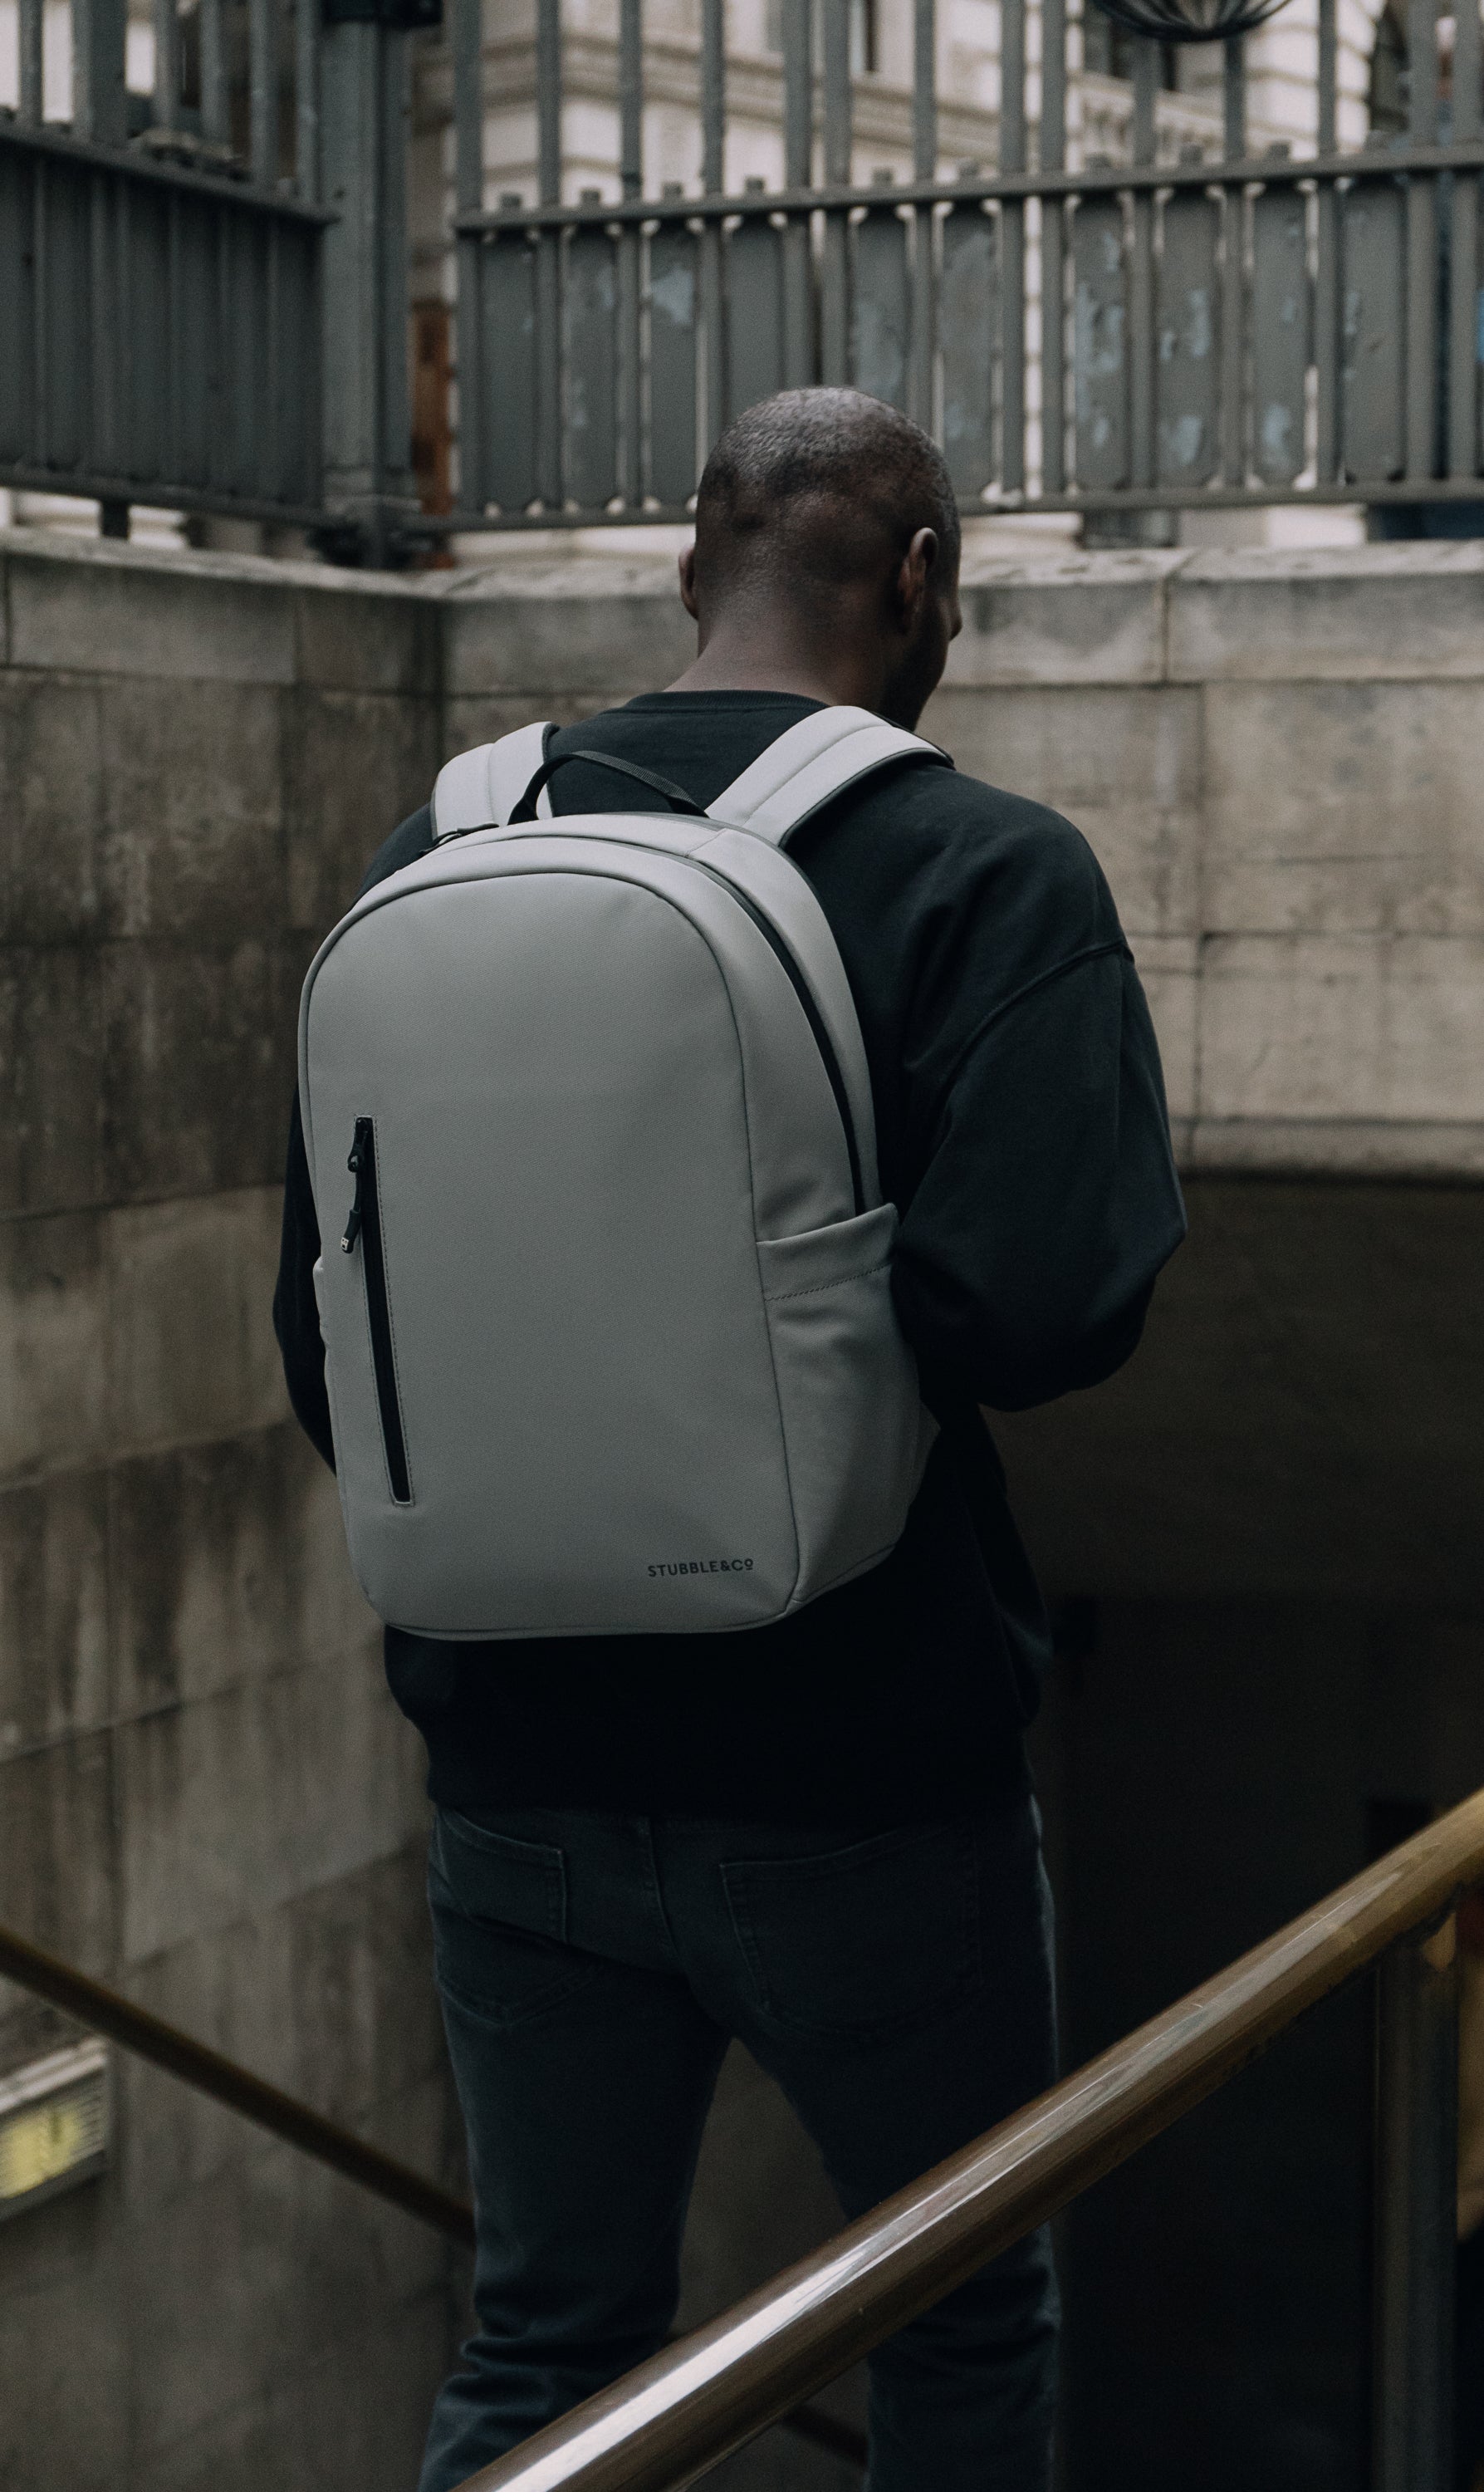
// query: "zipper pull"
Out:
[357,1167]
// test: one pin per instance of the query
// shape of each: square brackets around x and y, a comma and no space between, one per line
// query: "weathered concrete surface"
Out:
[204,1790]
[205,1795]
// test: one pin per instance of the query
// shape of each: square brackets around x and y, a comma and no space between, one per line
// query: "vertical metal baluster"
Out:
[1012,244]
[1187,290]
[1416,2183]
[307,99]
[1282,330]
[167,97]
[269,444]
[98,72]
[180,347]
[1326,296]
[754,308]
[42,258]
[835,324]
[1053,151]
[30,38]
[108,221]
[396,449]
[591,355]
[798,176]
[549,423]
[1234,102]
[214,120]
[1372,372]
[924,89]
[262,93]
[1464,278]
[674,351]
[713,175]
[631,171]
[1422,375]
[631,98]
[1141,275]
[919,397]
[837,91]
[713,94]
[468,49]
[1234,283]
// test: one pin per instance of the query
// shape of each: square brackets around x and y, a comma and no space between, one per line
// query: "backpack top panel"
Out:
[802,1162]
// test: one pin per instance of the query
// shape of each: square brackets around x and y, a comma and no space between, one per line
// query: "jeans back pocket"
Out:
[499,1916]
[866,1941]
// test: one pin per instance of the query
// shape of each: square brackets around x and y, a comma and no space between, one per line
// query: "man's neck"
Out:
[775,659]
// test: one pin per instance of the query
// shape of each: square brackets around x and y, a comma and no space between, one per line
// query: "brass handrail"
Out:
[149,2038]
[689,2407]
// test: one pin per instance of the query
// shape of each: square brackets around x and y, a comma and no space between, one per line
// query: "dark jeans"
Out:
[593,1970]
[1469,2363]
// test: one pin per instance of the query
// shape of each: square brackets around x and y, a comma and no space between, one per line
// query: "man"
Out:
[817,1836]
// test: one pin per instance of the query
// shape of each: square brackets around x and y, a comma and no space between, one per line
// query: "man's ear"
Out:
[688,584]
[918,565]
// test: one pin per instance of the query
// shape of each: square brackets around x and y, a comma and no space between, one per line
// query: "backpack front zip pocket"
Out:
[364,1227]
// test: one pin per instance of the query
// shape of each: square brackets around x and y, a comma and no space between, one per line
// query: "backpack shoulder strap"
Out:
[808,765]
[480,790]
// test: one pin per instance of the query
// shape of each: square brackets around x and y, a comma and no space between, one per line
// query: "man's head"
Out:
[826,531]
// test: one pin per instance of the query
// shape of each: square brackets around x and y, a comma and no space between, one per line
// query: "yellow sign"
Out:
[40,2144]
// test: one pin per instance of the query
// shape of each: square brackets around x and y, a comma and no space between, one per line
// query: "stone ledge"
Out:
[1328,613]
[1305,1147]
[1065,616]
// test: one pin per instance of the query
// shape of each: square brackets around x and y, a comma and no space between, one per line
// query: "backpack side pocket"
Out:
[855,1427]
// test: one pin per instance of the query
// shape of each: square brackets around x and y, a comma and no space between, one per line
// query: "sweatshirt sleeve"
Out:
[295,1310]
[1048,1200]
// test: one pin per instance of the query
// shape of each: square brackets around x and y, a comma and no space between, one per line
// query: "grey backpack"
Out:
[606,1281]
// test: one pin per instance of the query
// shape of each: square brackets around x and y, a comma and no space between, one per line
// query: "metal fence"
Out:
[161,264]
[1245,329]
[203,291]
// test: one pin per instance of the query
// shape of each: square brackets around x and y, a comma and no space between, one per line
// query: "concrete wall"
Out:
[205,1795]
[204,1790]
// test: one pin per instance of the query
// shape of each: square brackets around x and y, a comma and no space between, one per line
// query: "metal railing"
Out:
[1248,329]
[161,265]
[164,2046]
[661,2427]
[667,2423]
[203,290]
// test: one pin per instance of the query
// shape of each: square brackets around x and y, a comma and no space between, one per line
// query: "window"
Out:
[1107,49]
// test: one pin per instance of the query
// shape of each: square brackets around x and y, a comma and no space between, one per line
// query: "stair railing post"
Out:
[1416,2183]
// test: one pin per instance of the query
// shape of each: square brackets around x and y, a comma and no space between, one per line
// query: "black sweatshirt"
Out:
[1021,1133]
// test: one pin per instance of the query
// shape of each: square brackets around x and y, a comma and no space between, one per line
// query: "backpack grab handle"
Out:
[676,797]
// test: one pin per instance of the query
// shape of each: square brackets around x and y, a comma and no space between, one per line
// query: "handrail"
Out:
[691,2406]
[149,2038]
[165,2046]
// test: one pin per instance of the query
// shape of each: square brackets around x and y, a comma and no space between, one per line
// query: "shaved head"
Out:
[814,490]
[826,556]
